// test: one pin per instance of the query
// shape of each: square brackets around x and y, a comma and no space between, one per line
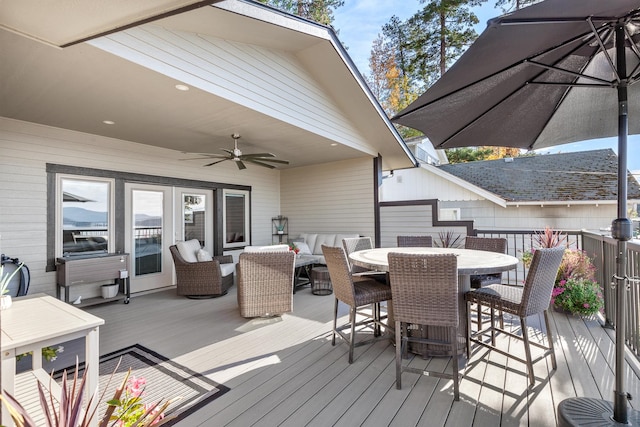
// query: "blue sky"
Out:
[360,21]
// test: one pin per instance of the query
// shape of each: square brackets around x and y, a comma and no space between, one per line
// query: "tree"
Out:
[501,152]
[467,154]
[438,35]
[320,11]
[511,5]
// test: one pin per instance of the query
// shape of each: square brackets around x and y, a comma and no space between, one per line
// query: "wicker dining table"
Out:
[470,262]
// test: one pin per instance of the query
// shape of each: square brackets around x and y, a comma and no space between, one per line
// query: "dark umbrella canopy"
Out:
[518,84]
[556,72]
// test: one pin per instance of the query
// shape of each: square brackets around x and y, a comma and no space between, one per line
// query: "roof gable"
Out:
[578,176]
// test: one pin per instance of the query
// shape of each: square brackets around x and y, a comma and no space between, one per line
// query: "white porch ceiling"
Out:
[80,86]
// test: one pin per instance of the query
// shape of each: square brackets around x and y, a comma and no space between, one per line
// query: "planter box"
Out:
[109,291]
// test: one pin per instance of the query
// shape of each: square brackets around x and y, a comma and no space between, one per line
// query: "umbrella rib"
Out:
[569,72]
[603,49]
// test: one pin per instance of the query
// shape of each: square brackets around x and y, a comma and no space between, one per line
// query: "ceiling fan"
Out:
[236,155]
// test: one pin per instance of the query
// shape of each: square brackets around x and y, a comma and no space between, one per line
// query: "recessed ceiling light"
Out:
[334,144]
[182,87]
[108,122]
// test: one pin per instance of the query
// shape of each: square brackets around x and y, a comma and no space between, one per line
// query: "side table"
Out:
[320,281]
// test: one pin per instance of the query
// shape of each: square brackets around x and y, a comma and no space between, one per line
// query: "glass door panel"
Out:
[149,230]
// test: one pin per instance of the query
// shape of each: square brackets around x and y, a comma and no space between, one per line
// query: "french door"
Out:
[149,228]
[157,217]
[194,216]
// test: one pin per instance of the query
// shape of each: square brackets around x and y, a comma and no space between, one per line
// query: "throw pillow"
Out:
[204,256]
[189,249]
[303,247]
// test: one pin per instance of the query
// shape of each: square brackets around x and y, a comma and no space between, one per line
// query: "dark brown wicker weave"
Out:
[353,244]
[265,283]
[425,292]
[533,298]
[201,279]
[355,293]
[489,244]
[415,241]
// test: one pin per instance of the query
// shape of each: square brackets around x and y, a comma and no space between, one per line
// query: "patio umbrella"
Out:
[556,72]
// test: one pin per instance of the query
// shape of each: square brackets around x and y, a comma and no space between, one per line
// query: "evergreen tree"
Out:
[438,34]
[511,5]
[320,11]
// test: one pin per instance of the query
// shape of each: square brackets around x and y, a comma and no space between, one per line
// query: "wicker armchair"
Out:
[201,279]
[265,283]
[415,241]
[425,292]
[533,298]
[354,293]
[490,244]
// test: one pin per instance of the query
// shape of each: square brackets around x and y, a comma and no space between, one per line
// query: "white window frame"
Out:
[247,217]
[59,214]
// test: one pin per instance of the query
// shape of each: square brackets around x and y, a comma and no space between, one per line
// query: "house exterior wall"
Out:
[330,197]
[26,148]
[419,184]
[489,216]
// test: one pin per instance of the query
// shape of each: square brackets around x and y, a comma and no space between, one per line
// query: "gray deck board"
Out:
[285,372]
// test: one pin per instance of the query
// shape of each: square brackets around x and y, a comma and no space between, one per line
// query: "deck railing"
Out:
[606,250]
[520,241]
[603,252]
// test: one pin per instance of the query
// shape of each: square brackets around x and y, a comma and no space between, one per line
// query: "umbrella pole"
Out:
[621,230]
[584,411]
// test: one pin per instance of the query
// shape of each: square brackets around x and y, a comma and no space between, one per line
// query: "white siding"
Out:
[418,184]
[330,197]
[26,148]
[269,81]
[487,215]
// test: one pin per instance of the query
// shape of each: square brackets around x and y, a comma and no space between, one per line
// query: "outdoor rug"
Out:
[165,380]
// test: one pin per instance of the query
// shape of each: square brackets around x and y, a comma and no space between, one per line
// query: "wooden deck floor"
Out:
[285,372]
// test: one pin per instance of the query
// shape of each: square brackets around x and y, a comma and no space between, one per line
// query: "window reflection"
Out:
[85,216]
[236,218]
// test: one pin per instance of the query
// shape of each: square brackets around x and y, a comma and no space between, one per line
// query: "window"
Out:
[85,215]
[236,218]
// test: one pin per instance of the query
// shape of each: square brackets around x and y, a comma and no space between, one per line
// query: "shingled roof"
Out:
[579,176]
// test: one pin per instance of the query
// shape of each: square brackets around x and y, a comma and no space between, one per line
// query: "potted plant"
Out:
[5,279]
[578,296]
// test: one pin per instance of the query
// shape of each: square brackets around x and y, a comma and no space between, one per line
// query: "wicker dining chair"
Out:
[425,292]
[201,279]
[265,283]
[533,298]
[356,294]
[415,241]
[489,244]
[352,244]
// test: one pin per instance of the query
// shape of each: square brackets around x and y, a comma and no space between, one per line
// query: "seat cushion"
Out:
[189,249]
[227,269]
[268,248]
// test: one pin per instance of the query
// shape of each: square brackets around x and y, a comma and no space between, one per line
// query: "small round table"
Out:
[320,281]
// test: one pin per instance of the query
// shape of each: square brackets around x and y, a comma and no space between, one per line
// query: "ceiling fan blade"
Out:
[228,151]
[208,156]
[283,162]
[259,155]
[257,162]
[240,164]
[216,162]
